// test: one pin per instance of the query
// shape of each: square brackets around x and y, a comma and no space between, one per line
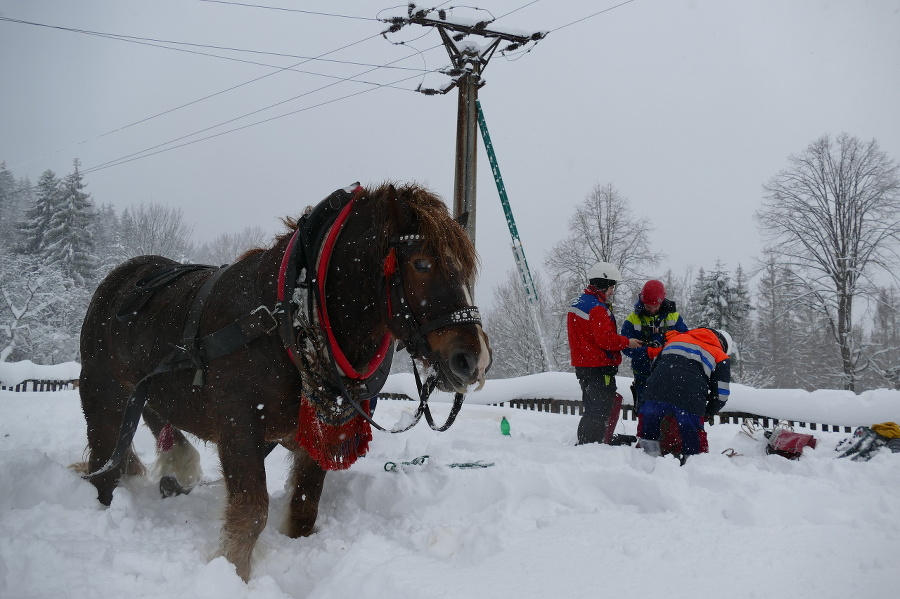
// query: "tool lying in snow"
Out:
[393,466]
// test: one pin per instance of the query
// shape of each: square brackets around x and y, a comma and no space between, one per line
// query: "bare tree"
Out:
[155,229]
[517,350]
[604,228]
[225,248]
[834,217]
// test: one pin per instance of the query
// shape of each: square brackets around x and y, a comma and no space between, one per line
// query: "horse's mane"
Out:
[430,218]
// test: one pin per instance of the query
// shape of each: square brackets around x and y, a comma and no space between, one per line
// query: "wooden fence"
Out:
[574,407]
[553,406]
[39,385]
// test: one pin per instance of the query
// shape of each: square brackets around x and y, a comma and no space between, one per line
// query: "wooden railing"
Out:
[553,406]
[41,385]
[574,407]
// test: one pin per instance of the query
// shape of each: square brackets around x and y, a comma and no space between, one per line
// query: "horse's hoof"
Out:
[169,487]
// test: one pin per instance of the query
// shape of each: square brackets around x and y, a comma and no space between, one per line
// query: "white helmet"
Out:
[727,342]
[604,270]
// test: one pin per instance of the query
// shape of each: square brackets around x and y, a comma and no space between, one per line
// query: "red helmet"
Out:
[653,293]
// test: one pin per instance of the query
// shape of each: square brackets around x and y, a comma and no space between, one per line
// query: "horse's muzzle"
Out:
[463,364]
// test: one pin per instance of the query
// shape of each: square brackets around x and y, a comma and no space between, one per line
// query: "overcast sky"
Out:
[686,106]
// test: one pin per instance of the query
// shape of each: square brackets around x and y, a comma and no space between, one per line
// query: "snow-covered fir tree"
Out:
[68,240]
[691,309]
[720,303]
[10,206]
[106,233]
[36,222]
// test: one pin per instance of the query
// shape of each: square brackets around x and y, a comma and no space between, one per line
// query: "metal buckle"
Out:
[271,314]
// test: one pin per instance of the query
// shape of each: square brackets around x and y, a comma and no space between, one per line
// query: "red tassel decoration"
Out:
[166,439]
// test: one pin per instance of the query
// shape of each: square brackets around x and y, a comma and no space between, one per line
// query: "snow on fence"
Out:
[28,376]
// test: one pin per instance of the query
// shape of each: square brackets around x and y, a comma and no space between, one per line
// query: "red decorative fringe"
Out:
[166,439]
[333,447]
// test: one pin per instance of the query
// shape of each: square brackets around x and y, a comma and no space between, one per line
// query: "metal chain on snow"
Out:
[419,461]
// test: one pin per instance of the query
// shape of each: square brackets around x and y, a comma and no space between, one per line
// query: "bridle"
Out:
[305,264]
[398,307]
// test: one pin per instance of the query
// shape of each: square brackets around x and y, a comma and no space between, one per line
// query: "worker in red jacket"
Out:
[596,351]
[689,382]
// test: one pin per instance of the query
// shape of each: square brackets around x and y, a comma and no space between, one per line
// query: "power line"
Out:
[308,12]
[140,155]
[143,153]
[156,42]
[292,67]
[518,9]
[600,12]
[160,148]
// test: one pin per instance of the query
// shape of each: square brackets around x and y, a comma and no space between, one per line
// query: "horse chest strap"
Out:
[257,323]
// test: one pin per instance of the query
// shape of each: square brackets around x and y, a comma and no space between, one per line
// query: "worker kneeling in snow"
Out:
[689,381]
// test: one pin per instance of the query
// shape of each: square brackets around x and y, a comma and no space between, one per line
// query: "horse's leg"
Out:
[243,466]
[103,402]
[179,467]
[307,480]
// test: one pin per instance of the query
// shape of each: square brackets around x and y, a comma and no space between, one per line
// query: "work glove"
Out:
[713,407]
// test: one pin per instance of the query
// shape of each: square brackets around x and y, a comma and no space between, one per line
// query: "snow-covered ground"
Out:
[545,520]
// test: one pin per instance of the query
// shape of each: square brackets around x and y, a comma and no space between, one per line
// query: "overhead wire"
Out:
[161,147]
[157,42]
[146,41]
[309,12]
[599,12]
[146,153]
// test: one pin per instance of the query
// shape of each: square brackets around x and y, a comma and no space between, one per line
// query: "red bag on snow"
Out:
[788,444]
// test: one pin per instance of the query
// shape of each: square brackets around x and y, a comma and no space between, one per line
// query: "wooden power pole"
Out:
[469,60]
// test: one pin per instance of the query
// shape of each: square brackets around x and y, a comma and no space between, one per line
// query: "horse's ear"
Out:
[463,219]
[395,204]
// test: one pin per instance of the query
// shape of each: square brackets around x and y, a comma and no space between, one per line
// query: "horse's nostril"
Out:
[462,364]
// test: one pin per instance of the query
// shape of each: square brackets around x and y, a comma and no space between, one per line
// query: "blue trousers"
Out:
[689,425]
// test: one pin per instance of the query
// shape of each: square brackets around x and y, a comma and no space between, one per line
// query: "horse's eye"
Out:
[422,265]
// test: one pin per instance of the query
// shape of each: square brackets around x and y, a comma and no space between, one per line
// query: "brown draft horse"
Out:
[249,399]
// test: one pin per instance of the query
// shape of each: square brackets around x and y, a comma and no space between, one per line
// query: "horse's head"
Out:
[430,268]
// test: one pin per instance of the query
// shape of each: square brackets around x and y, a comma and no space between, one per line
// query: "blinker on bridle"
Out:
[417,344]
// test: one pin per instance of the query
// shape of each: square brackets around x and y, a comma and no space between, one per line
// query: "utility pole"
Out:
[469,59]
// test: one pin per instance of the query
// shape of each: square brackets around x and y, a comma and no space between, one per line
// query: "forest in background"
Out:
[810,313]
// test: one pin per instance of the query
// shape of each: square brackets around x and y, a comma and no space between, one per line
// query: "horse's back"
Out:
[125,329]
